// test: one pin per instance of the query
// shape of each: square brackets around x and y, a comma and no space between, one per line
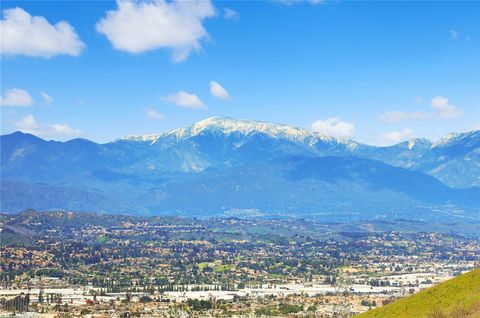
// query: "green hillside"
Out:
[457,297]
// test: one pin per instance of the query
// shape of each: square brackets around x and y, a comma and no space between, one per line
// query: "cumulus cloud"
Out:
[218,91]
[16,97]
[444,109]
[47,98]
[334,127]
[439,104]
[229,14]
[34,36]
[184,99]
[394,137]
[398,116]
[153,114]
[148,25]
[28,124]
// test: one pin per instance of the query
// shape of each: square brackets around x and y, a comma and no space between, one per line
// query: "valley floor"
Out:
[59,264]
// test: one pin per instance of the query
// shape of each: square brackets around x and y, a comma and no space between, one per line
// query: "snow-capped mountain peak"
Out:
[245,127]
[141,138]
[471,136]
[242,130]
[418,143]
[228,126]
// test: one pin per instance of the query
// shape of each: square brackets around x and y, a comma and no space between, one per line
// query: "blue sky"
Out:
[377,72]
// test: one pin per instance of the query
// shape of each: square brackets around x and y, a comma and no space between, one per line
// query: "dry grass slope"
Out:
[458,297]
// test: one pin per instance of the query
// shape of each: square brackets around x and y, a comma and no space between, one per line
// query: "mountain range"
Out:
[224,166]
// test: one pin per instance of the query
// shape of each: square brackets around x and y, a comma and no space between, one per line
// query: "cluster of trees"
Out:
[198,305]
[290,308]
[281,309]
[19,303]
[6,276]
[330,279]
[49,298]
[49,272]
[368,303]
[378,282]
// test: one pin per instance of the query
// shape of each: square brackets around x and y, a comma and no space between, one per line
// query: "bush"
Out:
[266,311]
[290,309]
[145,299]
[197,305]
[312,308]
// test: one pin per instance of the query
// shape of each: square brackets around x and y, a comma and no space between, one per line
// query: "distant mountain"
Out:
[405,154]
[455,159]
[21,196]
[328,188]
[224,142]
[196,170]
[227,142]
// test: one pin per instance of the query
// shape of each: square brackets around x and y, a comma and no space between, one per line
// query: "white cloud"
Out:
[394,137]
[62,130]
[441,109]
[16,97]
[148,25]
[230,14]
[334,127]
[444,109]
[34,36]
[218,91]
[184,99]
[153,114]
[396,116]
[418,100]
[28,124]
[47,98]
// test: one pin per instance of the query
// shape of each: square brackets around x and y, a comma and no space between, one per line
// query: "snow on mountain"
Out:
[223,141]
[228,126]
[421,143]
[140,138]
[471,138]
[267,166]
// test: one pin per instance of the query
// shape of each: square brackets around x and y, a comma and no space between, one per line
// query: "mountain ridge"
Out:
[454,159]
[126,170]
[229,125]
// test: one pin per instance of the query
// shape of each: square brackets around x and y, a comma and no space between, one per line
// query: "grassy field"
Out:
[101,239]
[223,268]
[455,298]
